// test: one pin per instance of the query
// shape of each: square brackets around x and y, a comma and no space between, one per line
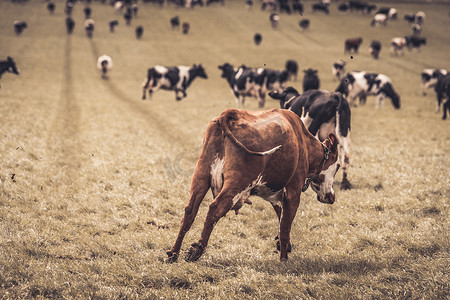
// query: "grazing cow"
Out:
[245,82]
[51,7]
[175,22]
[292,67]
[379,19]
[442,89]
[297,6]
[304,24]
[257,38]
[185,27]
[68,8]
[415,42]
[391,13]
[176,79]
[321,7]
[284,6]
[128,16]
[375,48]
[311,80]
[416,29]
[70,25]
[139,32]
[352,45]
[112,25]
[430,77]
[397,46]
[248,4]
[104,64]
[322,113]
[19,27]
[272,4]
[338,69]
[8,65]
[89,27]
[274,20]
[87,12]
[360,84]
[269,154]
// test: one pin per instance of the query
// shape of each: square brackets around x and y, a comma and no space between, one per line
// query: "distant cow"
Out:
[87,12]
[276,79]
[292,67]
[322,113]
[176,79]
[397,46]
[68,8]
[361,84]
[8,65]
[185,27]
[19,26]
[112,25]
[274,20]
[375,48]
[245,82]
[379,19]
[416,29]
[70,25]
[297,6]
[51,7]
[311,80]
[269,154]
[352,45]
[415,42]
[128,16]
[139,32]
[391,13]
[89,26]
[416,18]
[338,69]
[257,39]
[175,22]
[104,64]
[430,77]
[321,7]
[304,24]
[442,89]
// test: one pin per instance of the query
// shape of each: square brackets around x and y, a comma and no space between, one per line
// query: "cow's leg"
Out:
[145,86]
[261,99]
[438,101]
[289,206]
[278,211]
[344,144]
[445,108]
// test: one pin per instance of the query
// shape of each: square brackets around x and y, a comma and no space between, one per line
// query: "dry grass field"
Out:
[93,180]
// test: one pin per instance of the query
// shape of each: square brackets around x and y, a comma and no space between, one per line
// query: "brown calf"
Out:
[352,45]
[283,155]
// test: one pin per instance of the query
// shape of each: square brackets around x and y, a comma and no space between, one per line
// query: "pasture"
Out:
[93,180]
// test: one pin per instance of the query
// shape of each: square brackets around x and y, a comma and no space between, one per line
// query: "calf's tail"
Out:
[231,115]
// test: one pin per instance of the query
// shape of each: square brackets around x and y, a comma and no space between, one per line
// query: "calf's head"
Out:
[323,183]
[12,66]
[200,71]
[284,97]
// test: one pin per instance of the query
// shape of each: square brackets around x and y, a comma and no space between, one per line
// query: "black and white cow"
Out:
[390,12]
[361,84]
[19,26]
[430,77]
[338,69]
[89,26]
[274,20]
[176,79]
[416,18]
[292,67]
[397,46]
[112,25]
[375,48]
[104,64]
[8,65]
[379,19]
[311,80]
[442,90]
[322,113]
[276,79]
[70,25]
[245,82]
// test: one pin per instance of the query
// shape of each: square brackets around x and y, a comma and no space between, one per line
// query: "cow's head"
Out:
[310,72]
[285,96]
[389,91]
[12,66]
[345,85]
[200,71]
[323,183]
[227,70]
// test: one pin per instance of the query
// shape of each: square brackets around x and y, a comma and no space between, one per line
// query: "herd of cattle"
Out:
[258,147]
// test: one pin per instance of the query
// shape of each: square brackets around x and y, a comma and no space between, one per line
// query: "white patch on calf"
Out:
[216,175]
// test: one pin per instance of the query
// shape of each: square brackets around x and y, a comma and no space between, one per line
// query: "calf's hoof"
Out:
[346,185]
[195,252]
[172,257]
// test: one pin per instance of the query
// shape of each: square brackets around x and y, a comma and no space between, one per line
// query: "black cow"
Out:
[68,8]
[245,82]
[175,22]
[19,27]
[257,38]
[128,16]
[70,25]
[292,67]
[297,7]
[8,65]
[276,79]
[139,32]
[322,113]
[112,25]
[311,80]
[375,48]
[209,2]
[51,7]
[284,6]
[415,42]
[442,90]
[324,7]
[304,24]
[87,12]
[176,79]
[360,84]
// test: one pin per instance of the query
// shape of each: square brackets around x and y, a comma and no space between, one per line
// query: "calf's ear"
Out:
[333,141]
